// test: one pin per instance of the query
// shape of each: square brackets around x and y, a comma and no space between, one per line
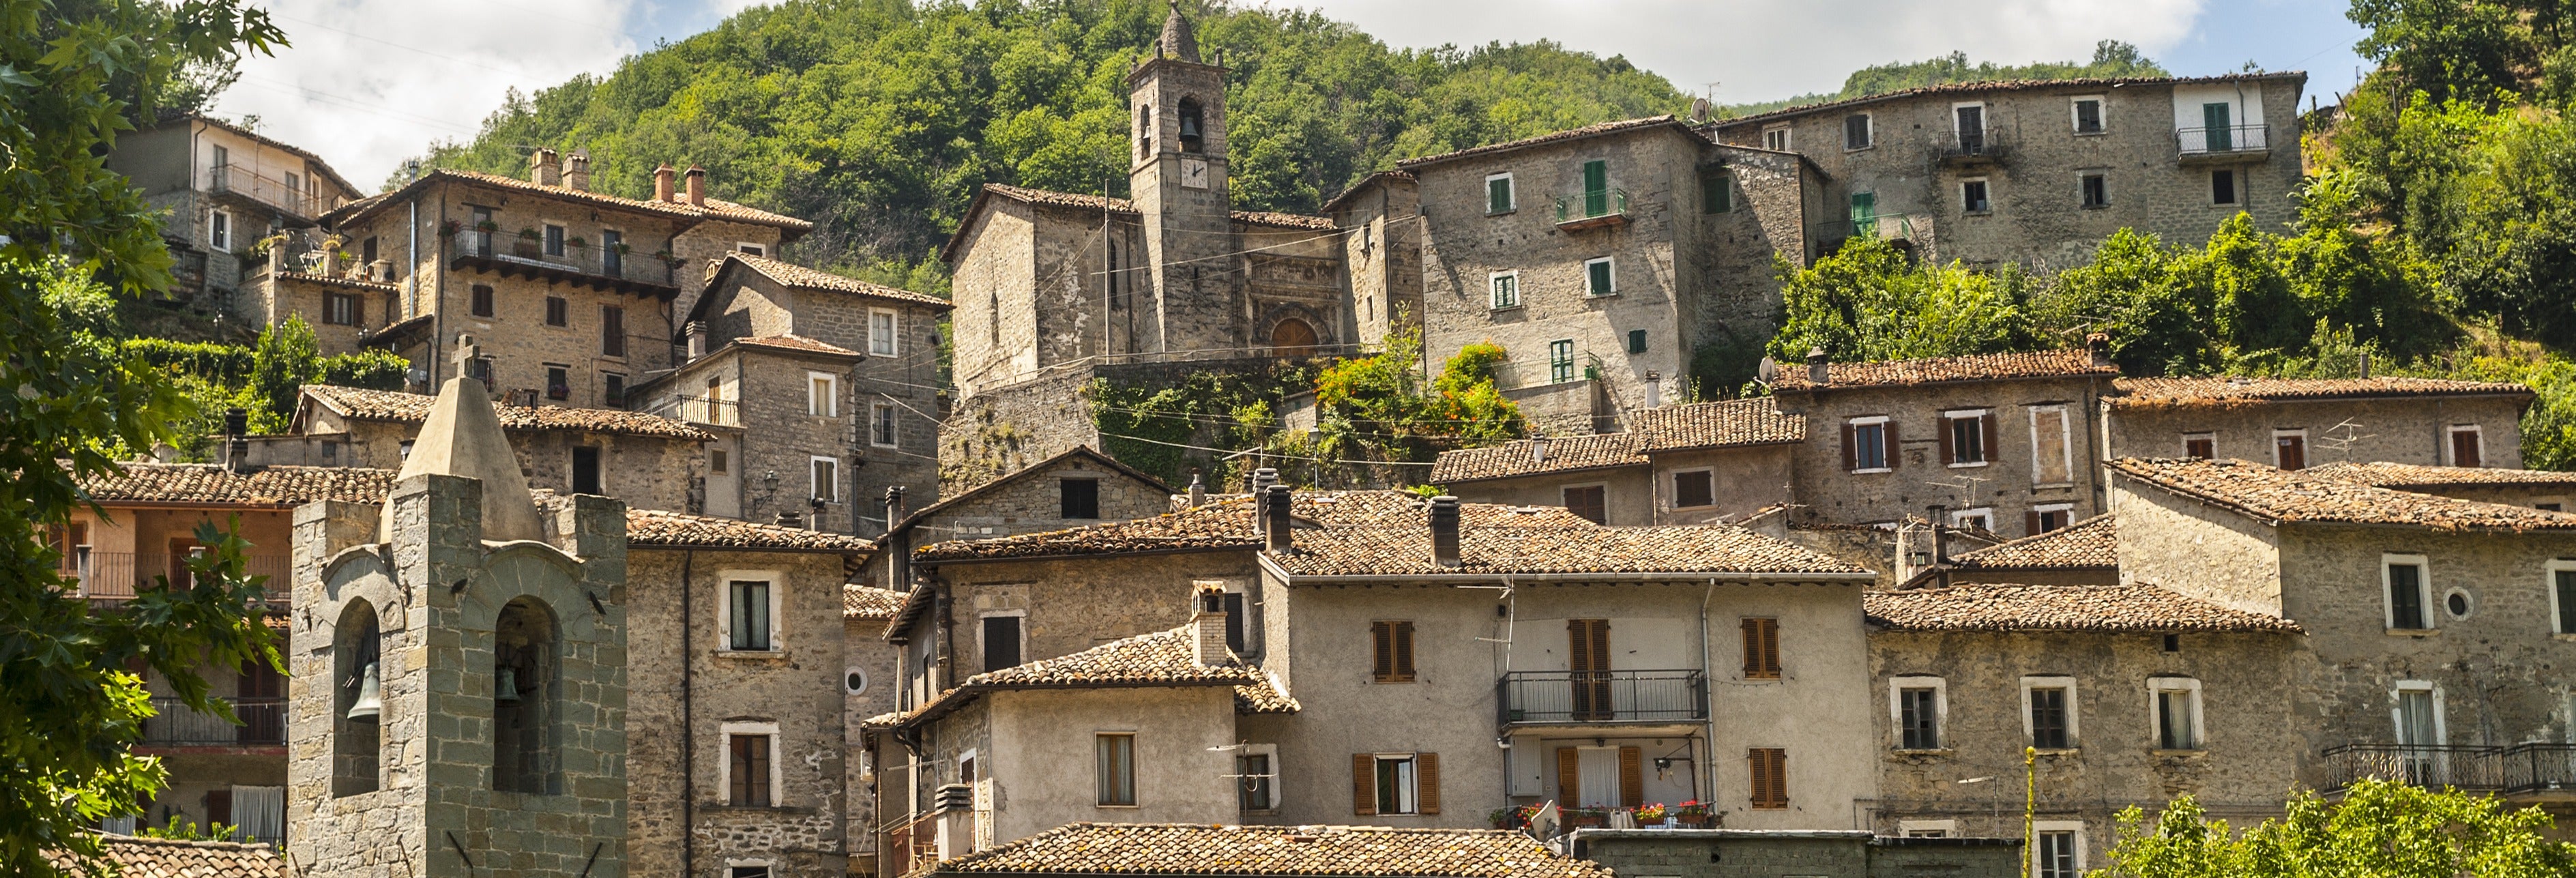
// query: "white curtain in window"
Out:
[1599,769]
[260,812]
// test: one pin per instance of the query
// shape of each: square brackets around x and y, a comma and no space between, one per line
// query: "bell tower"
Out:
[1177,175]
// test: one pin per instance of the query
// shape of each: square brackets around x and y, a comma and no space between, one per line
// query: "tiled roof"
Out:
[1354,851]
[1059,199]
[2066,363]
[794,275]
[1226,523]
[1955,88]
[2384,474]
[1081,201]
[280,486]
[2093,542]
[2098,608]
[1405,550]
[2301,497]
[1163,658]
[327,280]
[413,408]
[1335,203]
[1284,220]
[1083,452]
[654,528]
[714,209]
[166,858]
[868,602]
[1684,427]
[2207,391]
[1592,130]
[798,343]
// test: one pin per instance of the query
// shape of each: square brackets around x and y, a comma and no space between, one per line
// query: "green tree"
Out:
[285,359]
[2378,829]
[73,236]
[2447,48]
[2111,59]
[1871,300]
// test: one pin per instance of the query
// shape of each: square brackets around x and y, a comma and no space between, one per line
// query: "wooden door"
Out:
[1588,659]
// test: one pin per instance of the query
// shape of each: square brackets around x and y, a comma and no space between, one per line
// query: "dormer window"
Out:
[1190,125]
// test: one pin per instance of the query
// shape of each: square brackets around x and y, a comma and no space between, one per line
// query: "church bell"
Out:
[371,694]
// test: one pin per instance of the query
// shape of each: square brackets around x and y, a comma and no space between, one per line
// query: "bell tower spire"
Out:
[1177,176]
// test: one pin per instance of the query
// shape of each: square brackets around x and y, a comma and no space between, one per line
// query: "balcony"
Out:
[298,201]
[1592,209]
[1591,698]
[579,265]
[263,724]
[2228,144]
[1830,234]
[1972,149]
[2519,770]
[114,576]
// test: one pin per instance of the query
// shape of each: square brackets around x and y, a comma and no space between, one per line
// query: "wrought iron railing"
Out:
[2222,139]
[116,575]
[263,723]
[620,262]
[1973,144]
[2516,768]
[302,200]
[1579,697]
[1591,204]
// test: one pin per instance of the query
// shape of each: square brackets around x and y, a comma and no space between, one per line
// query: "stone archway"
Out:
[1293,337]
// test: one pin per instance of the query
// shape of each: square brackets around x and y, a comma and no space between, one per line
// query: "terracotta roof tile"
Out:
[2066,363]
[1683,427]
[1592,130]
[1226,523]
[1121,205]
[413,408]
[2383,474]
[1954,88]
[714,209]
[278,486]
[1405,550]
[656,528]
[1283,220]
[2093,542]
[797,343]
[2097,608]
[1527,457]
[166,858]
[327,280]
[2209,391]
[1160,659]
[794,275]
[1723,424]
[1357,852]
[868,602]
[1335,203]
[2304,497]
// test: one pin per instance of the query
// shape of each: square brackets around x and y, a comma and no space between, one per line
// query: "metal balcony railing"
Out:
[2223,139]
[300,199]
[263,724]
[698,409]
[1588,697]
[1592,205]
[114,576]
[586,258]
[2518,768]
[1972,145]
[1886,226]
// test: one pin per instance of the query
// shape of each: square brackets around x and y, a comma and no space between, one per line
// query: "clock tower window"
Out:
[1189,118]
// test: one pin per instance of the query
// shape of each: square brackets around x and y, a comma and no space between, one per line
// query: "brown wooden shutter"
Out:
[2030,523]
[1426,782]
[1752,648]
[1944,424]
[1569,777]
[219,807]
[1632,777]
[1887,437]
[1779,778]
[1770,770]
[1771,649]
[1851,452]
[1363,784]
[1404,652]
[1382,647]
[1992,441]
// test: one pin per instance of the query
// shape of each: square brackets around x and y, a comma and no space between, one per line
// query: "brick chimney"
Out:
[1444,530]
[543,170]
[662,182]
[697,333]
[576,172]
[237,449]
[1819,372]
[1207,626]
[2099,346]
[697,186]
[1276,532]
[1940,536]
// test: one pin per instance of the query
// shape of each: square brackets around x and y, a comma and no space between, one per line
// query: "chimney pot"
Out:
[697,332]
[791,519]
[1262,479]
[1444,530]
[662,182]
[2099,346]
[1198,488]
[2365,364]
[543,169]
[1277,534]
[1819,372]
[697,186]
[576,172]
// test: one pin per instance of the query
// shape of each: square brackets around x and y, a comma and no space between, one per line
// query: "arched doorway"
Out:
[1292,338]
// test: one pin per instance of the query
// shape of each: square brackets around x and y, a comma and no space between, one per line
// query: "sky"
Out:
[369,83]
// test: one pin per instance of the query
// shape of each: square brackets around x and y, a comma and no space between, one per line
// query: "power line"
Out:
[1267,454]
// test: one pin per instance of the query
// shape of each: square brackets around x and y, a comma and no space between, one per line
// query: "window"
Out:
[1591,502]
[1866,446]
[294,185]
[2057,849]
[881,432]
[1235,629]
[2048,517]
[1972,196]
[612,252]
[482,301]
[1770,775]
[2088,115]
[747,870]
[1716,191]
[558,311]
[2200,445]
[558,381]
[749,605]
[2217,135]
[612,388]
[2222,186]
[716,461]
[1599,279]
[219,231]
[752,750]
[1115,763]
[1692,488]
[827,479]
[1856,131]
[2096,190]
[2052,446]
[2048,712]
[1256,777]
[342,309]
[1001,642]
[1499,195]
[1776,138]
[1864,213]
[1927,828]
[2468,446]
[1395,783]
[2176,702]
[1560,360]
[2290,449]
[1507,289]
[367,251]
[1971,119]
[2402,580]
[481,243]
[612,331]
[1596,187]
[585,470]
[750,248]
[554,240]
[1964,436]
[1981,518]
[881,328]
[1190,126]
[1636,341]
[1918,713]
[1391,651]
[1078,498]
[855,682]
[1761,649]
[822,395]
[2562,598]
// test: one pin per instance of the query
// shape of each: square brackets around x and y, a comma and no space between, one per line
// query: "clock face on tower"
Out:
[1194,173]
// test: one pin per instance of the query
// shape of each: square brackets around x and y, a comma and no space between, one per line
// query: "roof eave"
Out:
[1488,578]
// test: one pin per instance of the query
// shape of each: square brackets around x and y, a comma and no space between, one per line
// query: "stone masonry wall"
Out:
[1033,503]
[1384,259]
[782,435]
[2007,485]
[2404,430]
[995,268]
[998,432]
[873,660]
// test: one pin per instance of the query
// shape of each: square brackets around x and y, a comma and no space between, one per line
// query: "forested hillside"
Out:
[878,119]
[2111,58]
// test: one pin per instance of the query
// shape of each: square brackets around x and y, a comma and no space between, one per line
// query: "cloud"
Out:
[369,82]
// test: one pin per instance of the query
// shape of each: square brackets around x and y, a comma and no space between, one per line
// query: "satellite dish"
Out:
[1768,371]
[1699,109]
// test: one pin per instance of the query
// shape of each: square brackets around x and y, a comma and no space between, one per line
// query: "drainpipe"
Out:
[1708,741]
[688,719]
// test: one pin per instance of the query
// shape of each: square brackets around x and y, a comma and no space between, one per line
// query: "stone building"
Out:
[2295,423]
[1076,488]
[1695,463]
[225,188]
[868,687]
[648,461]
[575,293]
[1601,258]
[2038,173]
[2084,553]
[1198,850]
[1737,853]
[2539,489]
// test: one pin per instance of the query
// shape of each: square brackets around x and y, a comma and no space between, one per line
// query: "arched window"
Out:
[1293,338]
[524,694]
[1144,133]
[1191,127]
[357,704]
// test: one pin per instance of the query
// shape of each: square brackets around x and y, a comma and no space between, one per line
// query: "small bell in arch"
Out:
[371,695]
[505,686]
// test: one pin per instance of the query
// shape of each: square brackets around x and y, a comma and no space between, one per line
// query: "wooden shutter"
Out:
[1761,649]
[1991,441]
[1851,452]
[1363,784]
[2030,523]
[1632,777]
[1887,437]
[1569,777]
[1382,648]
[1588,644]
[1770,776]
[219,807]
[1945,429]
[1426,783]
[1403,636]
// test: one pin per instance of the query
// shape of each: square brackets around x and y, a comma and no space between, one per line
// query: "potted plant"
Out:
[487,226]
[1649,815]
[576,242]
[1576,818]
[1692,814]
[528,243]
[449,228]
[1503,818]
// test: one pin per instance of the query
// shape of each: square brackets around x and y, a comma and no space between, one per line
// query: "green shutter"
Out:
[1864,213]
[1716,192]
[2217,134]
[1560,360]
[1598,275]
[1498,195]
[1596,187]
[1636,341]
